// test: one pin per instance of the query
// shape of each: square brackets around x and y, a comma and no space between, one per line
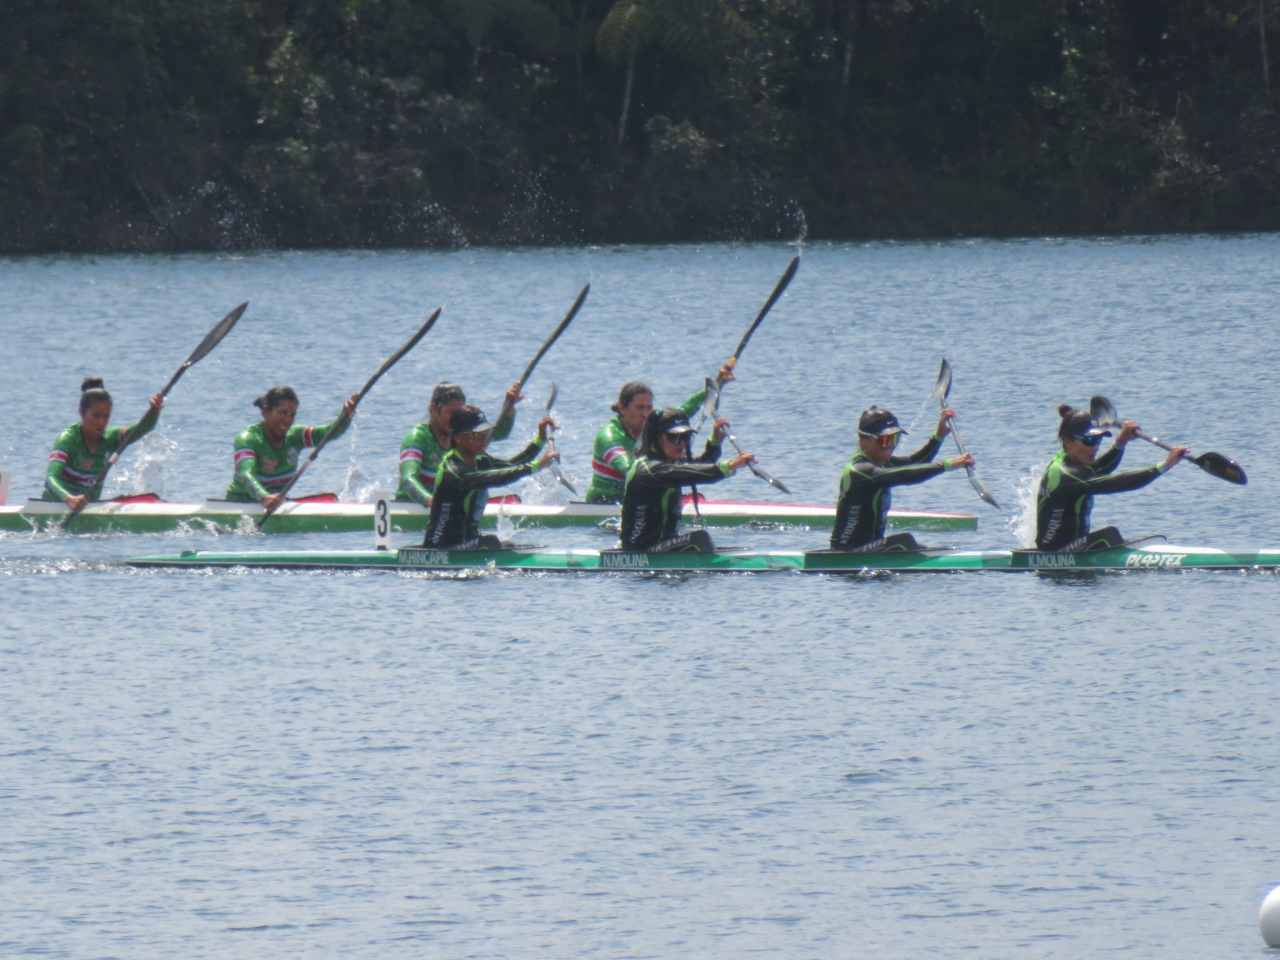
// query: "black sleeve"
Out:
[923,455]
[1095,482]
[711,452]
[491,472]
[663,474]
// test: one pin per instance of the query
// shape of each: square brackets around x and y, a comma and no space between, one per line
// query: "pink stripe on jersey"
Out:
[306,437]
[613,452]
[58,455]
[411,454]
[244,454]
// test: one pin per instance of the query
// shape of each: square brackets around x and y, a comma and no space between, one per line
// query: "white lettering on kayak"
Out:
[1154,560]
[1050,560]
[418,555]
[629,560]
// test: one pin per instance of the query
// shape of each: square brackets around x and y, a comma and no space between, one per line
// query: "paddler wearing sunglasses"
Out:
[652,502]
[863,507]
[1076,473]
[465,475]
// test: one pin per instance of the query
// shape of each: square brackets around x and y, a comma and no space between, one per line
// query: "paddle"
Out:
[758,471]
[941,389]
[211,340]
[1224,468]
[568,318]
[711,403]
[551,445]
[391,362]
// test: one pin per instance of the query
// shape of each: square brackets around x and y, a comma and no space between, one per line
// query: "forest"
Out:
[171,125]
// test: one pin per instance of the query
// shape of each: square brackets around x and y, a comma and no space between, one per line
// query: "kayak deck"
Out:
[301,517]
[1156,557]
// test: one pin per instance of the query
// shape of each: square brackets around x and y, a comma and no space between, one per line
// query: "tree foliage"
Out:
[198,124]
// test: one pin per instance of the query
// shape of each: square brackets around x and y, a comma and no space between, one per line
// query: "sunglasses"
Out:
[680,438]
[886,441]
[1089,441]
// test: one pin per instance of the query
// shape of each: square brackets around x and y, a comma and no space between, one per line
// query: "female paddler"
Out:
[466,473]
[81,451]
[1076,473]
[863,508]
[619,440]
[651,502]
[266,453]
[426,444]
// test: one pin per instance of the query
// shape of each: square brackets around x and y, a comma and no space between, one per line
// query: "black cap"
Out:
[672,420]
[1081,424]
[878,423]
[469,420]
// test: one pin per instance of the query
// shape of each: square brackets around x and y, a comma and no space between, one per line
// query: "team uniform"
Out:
[461,493]
[614,453]
[1065,498]
[74,469]
[262,470]
[420,457]
[652,501]
[863,507]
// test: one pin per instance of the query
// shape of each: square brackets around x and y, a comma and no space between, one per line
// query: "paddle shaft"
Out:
[551,445]
[941,390]
[762,474]
[573,312]
[337,422]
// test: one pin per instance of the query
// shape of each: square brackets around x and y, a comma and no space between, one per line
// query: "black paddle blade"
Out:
[391,362]
[217,333]
[787,276]
[942,388]
[769,478]
[1224,468]
[1104,411]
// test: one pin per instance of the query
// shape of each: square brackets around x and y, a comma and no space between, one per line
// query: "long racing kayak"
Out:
[303,517]
[1146,557]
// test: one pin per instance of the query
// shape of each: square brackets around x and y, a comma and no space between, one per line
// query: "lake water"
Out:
[379,766]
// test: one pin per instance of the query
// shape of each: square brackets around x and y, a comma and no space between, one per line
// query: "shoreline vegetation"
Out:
[185,125]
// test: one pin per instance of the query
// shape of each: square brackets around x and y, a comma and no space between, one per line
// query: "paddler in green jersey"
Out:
[81,451]
[426,444]
[618,442]
[266,454]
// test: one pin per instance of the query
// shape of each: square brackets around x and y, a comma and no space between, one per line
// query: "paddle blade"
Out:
[1102,410]
[551,400]
[983,493]
[1224,468]
[710,403]
[395,357]
[768,478]
[217,333]
[942,387]
[778,290]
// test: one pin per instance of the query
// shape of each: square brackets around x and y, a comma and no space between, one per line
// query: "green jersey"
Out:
[74,469]
[614,453]
[261,469]
[420,457]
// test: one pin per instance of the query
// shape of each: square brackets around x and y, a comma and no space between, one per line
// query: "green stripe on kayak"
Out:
[1162,557]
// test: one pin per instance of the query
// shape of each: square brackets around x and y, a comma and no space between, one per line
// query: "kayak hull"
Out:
[224,517]
[1157,557]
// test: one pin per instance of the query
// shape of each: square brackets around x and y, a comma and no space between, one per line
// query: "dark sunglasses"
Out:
[1089,441]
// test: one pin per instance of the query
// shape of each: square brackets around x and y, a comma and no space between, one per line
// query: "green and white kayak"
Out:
[333,517]
[1147,557]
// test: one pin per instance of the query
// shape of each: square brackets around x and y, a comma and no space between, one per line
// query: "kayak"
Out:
[334,517]
[1149,556]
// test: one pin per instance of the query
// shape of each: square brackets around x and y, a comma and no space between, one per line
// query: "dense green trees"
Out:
[186,124]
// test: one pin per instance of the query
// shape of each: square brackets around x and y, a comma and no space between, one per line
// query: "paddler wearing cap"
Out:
[426,444]
[618,442]
[466,473]
[652,501]
[863,507]
[1076,473]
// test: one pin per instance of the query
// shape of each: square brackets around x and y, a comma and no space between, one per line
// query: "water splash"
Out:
[1022,519]
[143,471]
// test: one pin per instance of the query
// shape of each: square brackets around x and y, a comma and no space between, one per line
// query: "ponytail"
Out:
[92,394]
[274,397]
[628,393]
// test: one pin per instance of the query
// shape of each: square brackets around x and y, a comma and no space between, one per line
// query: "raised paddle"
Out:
[711,403]
[211,340]
[391,362]
[568,318]
[758,471]
[551,444]
[941,389]
[1224,468]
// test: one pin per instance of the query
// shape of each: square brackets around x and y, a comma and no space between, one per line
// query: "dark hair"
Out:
[274,397]
[655,426]
[92,394]
[446,393]
[1066,411]
[628,393]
